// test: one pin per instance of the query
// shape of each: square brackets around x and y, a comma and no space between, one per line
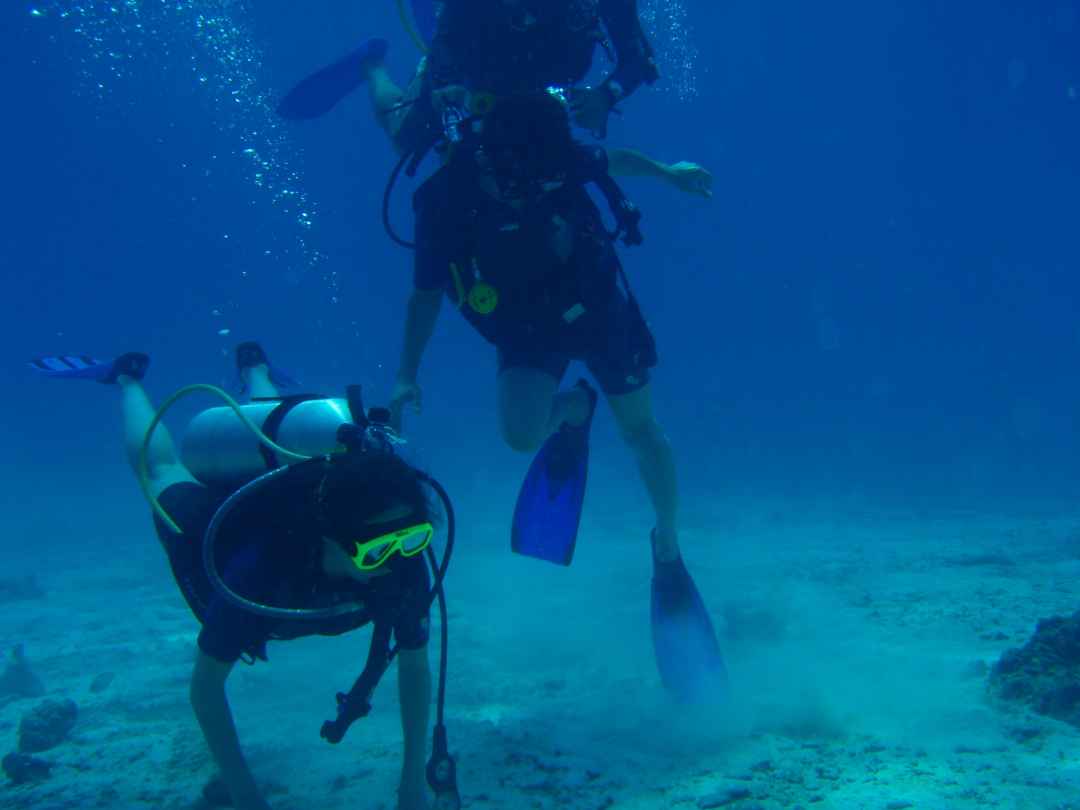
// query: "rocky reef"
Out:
[47,725]
[1044,674]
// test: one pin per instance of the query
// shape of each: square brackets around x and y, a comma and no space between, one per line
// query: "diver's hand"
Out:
[590,108]
[690,178]
[406,393]
[453,95]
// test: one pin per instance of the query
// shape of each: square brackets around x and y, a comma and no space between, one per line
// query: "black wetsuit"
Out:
[540,282]
[501,48]
[270,553]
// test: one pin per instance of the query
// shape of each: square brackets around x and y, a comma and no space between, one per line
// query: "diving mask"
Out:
[367,555]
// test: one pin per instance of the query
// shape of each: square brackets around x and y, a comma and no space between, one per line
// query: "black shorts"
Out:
[226,634]
[192,506]
[617,347]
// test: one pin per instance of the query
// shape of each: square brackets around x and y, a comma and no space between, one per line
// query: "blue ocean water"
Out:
[877,307]
[880,293]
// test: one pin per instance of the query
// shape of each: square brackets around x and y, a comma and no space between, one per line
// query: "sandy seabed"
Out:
[858,643]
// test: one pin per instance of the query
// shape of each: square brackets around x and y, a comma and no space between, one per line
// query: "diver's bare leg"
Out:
[163,465]
[385,96]
[531,407]
[656,464]
[212,710]
[259,384]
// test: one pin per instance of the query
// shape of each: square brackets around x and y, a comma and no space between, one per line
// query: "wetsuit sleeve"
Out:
[636,63]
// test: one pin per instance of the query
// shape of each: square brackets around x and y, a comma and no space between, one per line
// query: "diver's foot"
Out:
[249,355]
[132,365]
[257,373]
[569,444]
[687,652]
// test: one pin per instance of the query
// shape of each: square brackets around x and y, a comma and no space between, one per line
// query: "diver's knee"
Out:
[520,439]
[162,476]
[521,434]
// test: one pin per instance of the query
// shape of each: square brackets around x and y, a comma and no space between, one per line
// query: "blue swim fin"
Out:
[548,510]
[84,367]
[320,92]
[684,641]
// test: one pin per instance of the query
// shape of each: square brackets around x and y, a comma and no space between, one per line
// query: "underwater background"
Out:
[875,318]
[880,298]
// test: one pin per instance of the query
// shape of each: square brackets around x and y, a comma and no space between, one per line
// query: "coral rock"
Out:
[1044,674]
[47,725]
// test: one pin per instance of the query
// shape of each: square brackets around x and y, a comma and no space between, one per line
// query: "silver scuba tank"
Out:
[220,450]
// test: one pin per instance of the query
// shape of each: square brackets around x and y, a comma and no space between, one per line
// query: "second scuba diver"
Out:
[495,48]
[502,57]
[507,232]
[321,547]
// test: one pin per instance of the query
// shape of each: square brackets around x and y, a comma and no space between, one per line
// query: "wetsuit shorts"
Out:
[619,351]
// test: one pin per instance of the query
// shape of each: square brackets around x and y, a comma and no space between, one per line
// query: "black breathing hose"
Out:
[387,192]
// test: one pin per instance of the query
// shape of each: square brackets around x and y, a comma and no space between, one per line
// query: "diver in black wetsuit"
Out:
[514,50]
[488,49]
[508,47]
[507,232]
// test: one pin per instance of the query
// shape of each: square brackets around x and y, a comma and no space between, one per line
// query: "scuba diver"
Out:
[266,551]
[396,111]
[507,230]
[508,47]
[487,49]
[391,106]
[508,233]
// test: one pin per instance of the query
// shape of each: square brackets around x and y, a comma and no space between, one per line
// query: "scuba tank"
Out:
[220,449]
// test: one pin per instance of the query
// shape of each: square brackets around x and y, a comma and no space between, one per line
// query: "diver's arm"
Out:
[211,707]
[635,63]
[420,319]
[685,176]
[414,687]
[629,163]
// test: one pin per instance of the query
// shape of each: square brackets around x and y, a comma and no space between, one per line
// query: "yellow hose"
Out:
[143,471]
[410,27]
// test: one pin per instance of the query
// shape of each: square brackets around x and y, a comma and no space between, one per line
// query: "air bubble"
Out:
[122,41]
[667,24]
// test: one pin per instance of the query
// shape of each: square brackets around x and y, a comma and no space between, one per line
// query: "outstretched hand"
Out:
[691,178]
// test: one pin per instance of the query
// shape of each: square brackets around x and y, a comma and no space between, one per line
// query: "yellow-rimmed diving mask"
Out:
[409,541]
